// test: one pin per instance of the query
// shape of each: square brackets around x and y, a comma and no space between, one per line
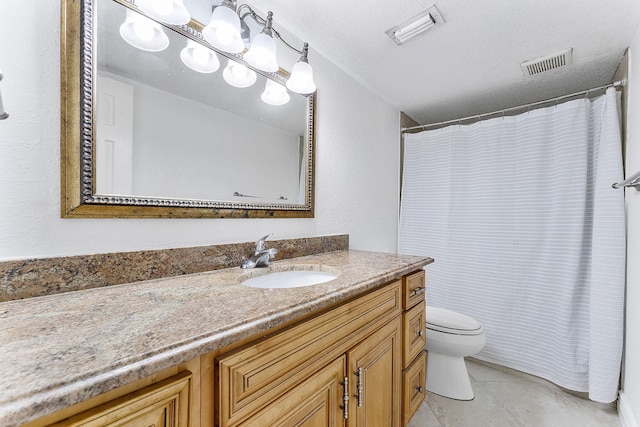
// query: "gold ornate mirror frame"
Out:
[77,156]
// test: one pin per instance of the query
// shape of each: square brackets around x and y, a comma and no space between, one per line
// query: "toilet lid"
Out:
[443,320]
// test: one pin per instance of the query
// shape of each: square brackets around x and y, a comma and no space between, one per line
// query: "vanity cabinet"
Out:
[366,330]
[356,363]
[414,325]
[359,363]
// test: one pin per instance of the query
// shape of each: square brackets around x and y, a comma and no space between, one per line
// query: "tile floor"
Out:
[509,398]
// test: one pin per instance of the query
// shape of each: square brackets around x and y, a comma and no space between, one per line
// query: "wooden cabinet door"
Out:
[375,378]
[164,404]
[317,402]
[415,332]
[414,386]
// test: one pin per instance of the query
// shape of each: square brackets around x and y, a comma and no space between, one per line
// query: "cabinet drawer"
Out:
[315,402]
[414,387]
[163,404]
[251,377]
[414,325]
[413,289]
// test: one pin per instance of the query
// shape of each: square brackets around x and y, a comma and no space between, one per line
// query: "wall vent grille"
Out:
[547,63]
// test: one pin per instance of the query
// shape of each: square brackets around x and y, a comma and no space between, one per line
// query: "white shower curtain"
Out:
[528,236]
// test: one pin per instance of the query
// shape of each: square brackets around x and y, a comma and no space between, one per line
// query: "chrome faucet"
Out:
[262,256]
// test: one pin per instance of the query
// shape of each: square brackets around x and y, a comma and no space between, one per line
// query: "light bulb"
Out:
[239,71]
[238,75]
[168,11]
[199,58]
[163,7]
[143,29]
[262,53]
[225,35]
[201,55]
[274,93]
[301,79]
[223,31]
[143,33]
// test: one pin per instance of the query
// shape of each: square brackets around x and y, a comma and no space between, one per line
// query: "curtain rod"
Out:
[618,83]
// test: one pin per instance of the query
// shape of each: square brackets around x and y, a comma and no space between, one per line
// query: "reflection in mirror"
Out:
[181,128]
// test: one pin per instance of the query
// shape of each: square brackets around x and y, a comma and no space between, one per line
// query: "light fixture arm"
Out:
[267,25]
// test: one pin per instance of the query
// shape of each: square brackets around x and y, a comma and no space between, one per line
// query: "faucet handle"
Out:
[260,244]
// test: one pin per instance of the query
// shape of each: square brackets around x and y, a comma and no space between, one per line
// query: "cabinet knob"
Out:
[419,389]
[420,332]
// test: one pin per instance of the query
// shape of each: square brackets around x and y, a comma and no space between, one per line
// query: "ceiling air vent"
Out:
[547,63]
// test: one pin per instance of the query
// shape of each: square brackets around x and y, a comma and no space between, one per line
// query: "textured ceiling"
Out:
[471,63]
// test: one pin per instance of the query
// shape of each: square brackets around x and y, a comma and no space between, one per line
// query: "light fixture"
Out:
[199,58]
[143,33]
[301,79]
[227,29]
[227,32]
[262,53]
[168,11]
[224,31]
[415,25]
[238,75]
[274,93]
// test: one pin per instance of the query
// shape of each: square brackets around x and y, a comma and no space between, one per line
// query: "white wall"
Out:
[630,395]
[357,161]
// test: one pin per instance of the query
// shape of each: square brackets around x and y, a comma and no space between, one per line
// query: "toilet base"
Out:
[448,377]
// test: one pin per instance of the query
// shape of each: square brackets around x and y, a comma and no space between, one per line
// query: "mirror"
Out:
[144,135]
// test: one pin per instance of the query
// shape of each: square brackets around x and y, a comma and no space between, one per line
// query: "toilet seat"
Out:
[450,322]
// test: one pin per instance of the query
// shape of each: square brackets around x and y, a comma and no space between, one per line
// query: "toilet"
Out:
[451,336]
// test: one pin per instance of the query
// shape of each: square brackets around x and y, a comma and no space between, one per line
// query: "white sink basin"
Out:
[289,279]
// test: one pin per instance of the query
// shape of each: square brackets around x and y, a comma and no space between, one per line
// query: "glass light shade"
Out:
[301,79]
[275,94]
[169,11]
[223,31]
[199,58]
[238,75]
[143,33]
[262,53]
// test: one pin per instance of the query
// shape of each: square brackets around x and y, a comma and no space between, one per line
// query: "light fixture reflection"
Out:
[224,31]
[169,11]
[143,33]
[199,58]
[238,75]
[275,94]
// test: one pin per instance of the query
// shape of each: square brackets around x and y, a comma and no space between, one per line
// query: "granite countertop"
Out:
[61,349]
